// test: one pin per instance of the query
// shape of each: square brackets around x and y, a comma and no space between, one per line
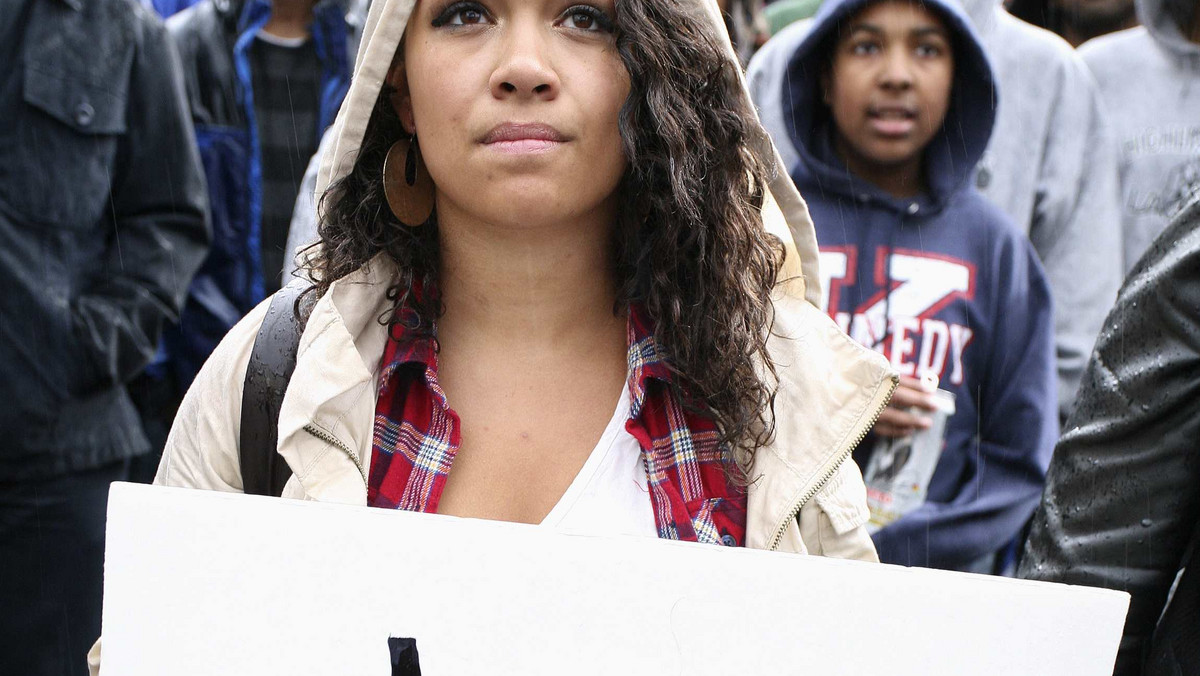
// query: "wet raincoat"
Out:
[1122,503]
[808,496]
[102,224]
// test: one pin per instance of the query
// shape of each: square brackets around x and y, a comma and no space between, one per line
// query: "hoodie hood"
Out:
[951,154]
[1165,20]
[784,211]
[983,13]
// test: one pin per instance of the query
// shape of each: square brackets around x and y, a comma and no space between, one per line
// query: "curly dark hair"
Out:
[690,247]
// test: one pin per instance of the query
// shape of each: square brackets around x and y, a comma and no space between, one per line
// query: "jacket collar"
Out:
[830,390]
[329,406]
[646,360]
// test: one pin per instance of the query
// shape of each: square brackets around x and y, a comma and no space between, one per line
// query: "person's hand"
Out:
[905,413]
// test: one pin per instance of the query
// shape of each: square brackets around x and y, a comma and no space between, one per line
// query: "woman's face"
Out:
[514,104]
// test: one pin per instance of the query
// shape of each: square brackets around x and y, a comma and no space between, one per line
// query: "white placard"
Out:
[208,583]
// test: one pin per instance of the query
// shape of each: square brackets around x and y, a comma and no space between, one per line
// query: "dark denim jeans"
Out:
[52,570]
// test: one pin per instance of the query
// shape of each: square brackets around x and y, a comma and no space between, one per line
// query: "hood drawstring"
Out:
[887,295]
[887,298]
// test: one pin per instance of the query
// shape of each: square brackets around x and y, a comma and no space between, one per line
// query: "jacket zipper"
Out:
[328,438]
[880,405]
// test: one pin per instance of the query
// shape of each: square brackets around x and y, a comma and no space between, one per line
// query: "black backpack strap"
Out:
[272,361]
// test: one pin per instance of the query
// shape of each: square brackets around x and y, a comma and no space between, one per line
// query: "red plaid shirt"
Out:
[417,435]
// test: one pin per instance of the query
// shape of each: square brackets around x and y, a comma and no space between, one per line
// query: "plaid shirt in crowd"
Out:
[417,434]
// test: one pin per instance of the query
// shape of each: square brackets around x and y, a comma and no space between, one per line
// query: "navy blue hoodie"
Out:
[968,301]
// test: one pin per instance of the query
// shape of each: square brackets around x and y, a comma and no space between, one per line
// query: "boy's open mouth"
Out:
[892,120]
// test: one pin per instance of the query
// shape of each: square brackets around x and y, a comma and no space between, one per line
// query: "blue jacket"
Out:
[943,283]
[168,8]
[213,38]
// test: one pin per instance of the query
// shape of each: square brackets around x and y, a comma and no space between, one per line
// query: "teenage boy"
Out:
[1051,165]
[892,103]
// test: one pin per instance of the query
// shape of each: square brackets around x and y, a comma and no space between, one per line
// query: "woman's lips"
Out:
[524,146]
[523,138]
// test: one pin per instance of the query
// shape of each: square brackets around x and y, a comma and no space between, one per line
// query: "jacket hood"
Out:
[1165,19]
[952,153]
[784,211]
[983,13]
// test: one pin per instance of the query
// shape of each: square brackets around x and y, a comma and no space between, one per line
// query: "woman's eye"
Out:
[468,16]
[580,20]
[585,18]
[864,48]
[461,14]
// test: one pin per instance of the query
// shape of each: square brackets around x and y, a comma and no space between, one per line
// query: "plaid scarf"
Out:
[416,436]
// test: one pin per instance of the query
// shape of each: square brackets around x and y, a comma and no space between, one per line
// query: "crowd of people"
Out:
[995,205]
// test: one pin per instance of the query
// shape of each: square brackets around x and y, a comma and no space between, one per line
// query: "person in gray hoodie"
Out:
[1149,80]
[1051,165]
[1077,21]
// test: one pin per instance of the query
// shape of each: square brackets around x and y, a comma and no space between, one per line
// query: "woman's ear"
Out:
[397,79]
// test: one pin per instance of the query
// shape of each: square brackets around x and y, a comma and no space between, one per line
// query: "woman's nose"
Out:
[524,69]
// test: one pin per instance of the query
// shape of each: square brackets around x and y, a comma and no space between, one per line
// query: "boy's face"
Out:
[890,81]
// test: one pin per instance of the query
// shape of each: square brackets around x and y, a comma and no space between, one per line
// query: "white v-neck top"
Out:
[610,495]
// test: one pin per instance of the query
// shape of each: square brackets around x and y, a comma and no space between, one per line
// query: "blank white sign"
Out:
[208,583]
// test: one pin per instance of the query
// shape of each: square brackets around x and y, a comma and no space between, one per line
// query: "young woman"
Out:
[545,293]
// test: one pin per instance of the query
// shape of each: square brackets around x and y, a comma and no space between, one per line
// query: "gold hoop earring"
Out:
[407,184]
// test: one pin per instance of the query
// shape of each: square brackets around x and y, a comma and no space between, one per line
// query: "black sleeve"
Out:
[159,211]
[1123,492]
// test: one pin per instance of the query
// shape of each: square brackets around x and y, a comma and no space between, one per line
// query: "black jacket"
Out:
[1122,498]
[102,224]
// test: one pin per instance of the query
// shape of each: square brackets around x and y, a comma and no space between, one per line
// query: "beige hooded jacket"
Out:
[808,497]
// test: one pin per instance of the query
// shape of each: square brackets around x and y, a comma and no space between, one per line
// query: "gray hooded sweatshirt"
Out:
[1149,79]
[1051,165]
